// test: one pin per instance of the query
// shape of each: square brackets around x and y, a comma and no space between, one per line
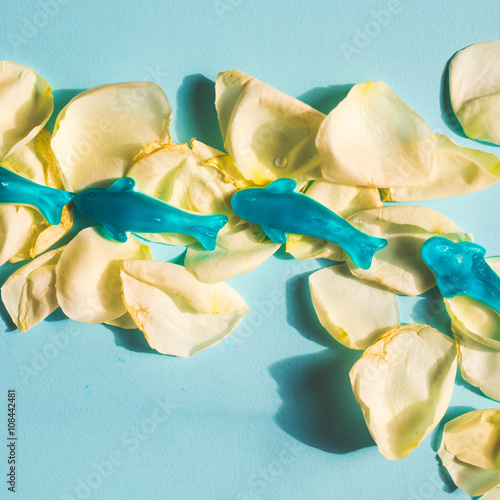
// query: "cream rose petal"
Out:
[15,224]
[29,295]
[344,201]
[469,451]
[26,102]
[474,79]
[101,130]
[474,318]
[36,162]
[203,152]
[178,314]
[171,173]
[240,249]
[404,383]
[461,171]
[492,495]
[479,364]
[399,265]
[88,276]
[354,312]
[373,138]
[268,133]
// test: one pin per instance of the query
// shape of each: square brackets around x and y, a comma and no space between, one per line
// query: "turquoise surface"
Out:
[281,210]
[268,413]
[460,269]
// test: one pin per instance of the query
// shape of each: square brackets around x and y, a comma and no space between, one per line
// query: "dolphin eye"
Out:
[91,196]
[251,198]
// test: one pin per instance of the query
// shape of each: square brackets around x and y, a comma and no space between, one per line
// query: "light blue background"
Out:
[269,412]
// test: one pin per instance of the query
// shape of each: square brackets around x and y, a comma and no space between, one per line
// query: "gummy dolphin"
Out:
[17,190]
[280,210]
[460,269]
[120,209]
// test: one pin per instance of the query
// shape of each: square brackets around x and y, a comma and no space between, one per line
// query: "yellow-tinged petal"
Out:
[399,265]
[26,102]
[36,162]
[171,173]
[240,249]
[15,227]
[404,383]
[373,138]
[101,130]
[474,318]
[29,294]
[460,171]
[469,450]
[178,314]
[474,79]
[88,276]
[268,133]
[492,495]
[479,364]
[354,312]
[344,201]
[125,321]
[203,152]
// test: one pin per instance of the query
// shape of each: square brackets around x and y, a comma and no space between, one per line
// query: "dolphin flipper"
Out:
[116,233]
[362,252]
[275,235]
[206,233]
[51,202]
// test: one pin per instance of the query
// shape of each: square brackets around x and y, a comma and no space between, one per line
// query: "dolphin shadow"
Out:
[325,99]
[447,114]
[430,310]
[300,313]
[436,437]
[318,406]
[196,115]
[61,98]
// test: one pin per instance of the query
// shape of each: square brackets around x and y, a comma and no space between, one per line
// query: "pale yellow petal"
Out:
[474,318]
[479,364]
[469,450]
[460,171]
[268,133]
[29,295]
[399,265]
[354,312]
[373,138]
[178,314]
[101,130]
[26,102]
[404,383]
[474,79]
[88,276]
[240,249]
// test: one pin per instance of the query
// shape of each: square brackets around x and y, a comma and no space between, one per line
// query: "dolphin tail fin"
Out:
[207,232]
[51,204]
[362,253]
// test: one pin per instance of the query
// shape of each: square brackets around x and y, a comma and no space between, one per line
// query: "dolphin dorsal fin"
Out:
[282,186]
[123,184]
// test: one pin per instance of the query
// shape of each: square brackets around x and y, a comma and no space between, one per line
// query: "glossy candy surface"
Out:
[460,269]
[17,190]
[120,209]
[281,210]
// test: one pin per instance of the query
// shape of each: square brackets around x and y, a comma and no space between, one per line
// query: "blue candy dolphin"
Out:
[120,209]
[460,269]
[279,209]
[17,190]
